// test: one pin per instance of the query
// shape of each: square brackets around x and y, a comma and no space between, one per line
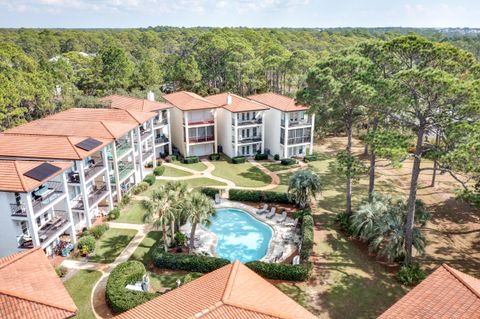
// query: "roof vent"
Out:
[229,99]
[151,96]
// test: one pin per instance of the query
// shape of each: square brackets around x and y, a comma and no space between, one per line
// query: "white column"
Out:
[73,236]
[285,141]
[83,190]
[215,131]
[140,149]
[235,132]
[116,172]
[33,227]
[134,156]
[263,132]
[169,127]
[310,151]
[153,144]
[106,176]
[187,142]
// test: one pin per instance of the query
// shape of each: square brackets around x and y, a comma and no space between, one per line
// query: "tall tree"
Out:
[302,186]
[114,68]
[200,209]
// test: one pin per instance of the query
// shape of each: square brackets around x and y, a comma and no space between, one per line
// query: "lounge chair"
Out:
[262,210]
[217,198]
[283,217]
[272,213]
[292,224]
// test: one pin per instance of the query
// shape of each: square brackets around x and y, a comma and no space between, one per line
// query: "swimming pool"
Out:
[240,235]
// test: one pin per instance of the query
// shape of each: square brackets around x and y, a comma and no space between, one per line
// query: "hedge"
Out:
[150,179]
[209,191]
[98,230]
[187,262]
[113,214]
[239,159]
[261,157]
[281,271]
[276,157]
[307,237]
[258,196]
[288,161]
[214,157]
[88,243]
[310,158]
[159,170]
[191,160]
[118,297]
[140,187]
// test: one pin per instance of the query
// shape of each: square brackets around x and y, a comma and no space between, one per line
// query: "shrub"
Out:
[411,275]
[149,164]
[214,157]
[239,159]
[343,219]
[159,170]
[187,262]
[150,179]
[61,271]
[258,196]
[209,191]
[125,199]
[87,244]
[98,230]
[180,239]
[281,271]
[113,214]
[140,187]
[188,278]
[310,158]
[307,237]
[288,161]
[276,157]
[191,160]
[120,298]
[261,157]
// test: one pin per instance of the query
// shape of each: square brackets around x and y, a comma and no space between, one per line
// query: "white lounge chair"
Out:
[292,224]
[272,213]
[262,210]
[283,217]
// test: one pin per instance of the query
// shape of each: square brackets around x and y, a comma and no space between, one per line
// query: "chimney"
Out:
[151,96]
[229,99]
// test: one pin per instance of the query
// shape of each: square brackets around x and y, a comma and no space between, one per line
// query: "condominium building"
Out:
[161,122]
[34,203]
[194,123]
[241,123]
[289,128]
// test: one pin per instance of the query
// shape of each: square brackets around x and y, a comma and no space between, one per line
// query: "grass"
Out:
[80,287]
[143,253]
[195,166]
[169,279]
[193,183]
[243,175]
[175,172]
[132,213]
[111,244]
[276,167]
[296,292]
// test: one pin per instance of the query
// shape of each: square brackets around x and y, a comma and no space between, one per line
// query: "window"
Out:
[254,133]
[24,227]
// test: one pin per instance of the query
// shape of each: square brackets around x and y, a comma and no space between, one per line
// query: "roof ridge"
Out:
[453,271]
[36,300]
[231,278]
[200,314]
[74,147]
[20,176]
[108,130]
[18,256]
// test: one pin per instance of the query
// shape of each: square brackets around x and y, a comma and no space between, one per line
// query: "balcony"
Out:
[18,210]
[200,122]
[252,139]
[94,169]
[124,170]
[201,139]
[53,226]
[304,122]
[161,140]
[123,148]
[44,196]
[250,122]
[160,122]
[296,140]
[98,192]
[145,134]
[147,154]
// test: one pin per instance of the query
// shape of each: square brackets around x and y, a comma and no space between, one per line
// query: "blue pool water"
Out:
[239,235]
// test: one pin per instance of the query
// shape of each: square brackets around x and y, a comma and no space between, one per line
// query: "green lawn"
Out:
[195,166]
[174,172]
[283,186]
[194,182]
[169,279]
[244,175]
[275,167]
[80,288]
[132,213]
[142,253]
[111,244]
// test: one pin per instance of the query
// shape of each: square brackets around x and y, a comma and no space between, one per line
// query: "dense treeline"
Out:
[43,71]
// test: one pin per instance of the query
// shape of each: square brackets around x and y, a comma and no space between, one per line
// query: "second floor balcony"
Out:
[299,122]
[201,139]
[296,140]
[97,192]
[254,121]
[53,226]
[250,139]
[161,140]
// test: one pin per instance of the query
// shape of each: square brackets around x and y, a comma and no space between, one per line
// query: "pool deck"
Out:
[285,239]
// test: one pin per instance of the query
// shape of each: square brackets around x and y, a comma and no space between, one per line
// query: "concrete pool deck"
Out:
[285,239]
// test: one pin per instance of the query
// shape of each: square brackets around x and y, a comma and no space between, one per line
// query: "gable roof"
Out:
[93,128]
[14,180]
[114,115]
[134,104]
[45,147]
[446,293]
[233,291]
[188,101]
[277,101]
[30,288]
[239,104]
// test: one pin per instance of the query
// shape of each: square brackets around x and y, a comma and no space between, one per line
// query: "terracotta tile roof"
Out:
[30,288]
[239,104]
[188,101]
[446,293]
[13,179]
[279,102]
[114,115]
[135,104]
[45,147]
[233,291]
[96,129]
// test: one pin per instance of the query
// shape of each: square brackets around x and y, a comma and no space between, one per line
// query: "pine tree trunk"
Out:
[349,179]
[373,162]
[413,196]
[435,162]
[164,235]
[172,231]
[192,238]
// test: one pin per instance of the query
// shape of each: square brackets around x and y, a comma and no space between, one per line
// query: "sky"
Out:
[248,13]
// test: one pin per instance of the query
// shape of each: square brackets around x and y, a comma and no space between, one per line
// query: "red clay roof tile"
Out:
[188,101]
[277,101]
[135,104]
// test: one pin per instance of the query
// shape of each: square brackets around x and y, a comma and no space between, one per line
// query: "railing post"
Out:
[310,151]
[73,236]
[215,130]
[83,190]
[32,224]
[116,172]
[286,141]
[187,138]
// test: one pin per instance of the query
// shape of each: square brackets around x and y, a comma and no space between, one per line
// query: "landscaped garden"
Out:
[80,287]
[175,172]
[111,244]
[199,166]
[242,174]
[143,251]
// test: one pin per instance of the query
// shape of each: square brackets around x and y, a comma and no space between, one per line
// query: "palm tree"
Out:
[199,208]
[176,192]
[302,185]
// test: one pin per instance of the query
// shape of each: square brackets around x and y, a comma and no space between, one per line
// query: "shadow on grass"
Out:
[144,251]
[110,248]
[254,173]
